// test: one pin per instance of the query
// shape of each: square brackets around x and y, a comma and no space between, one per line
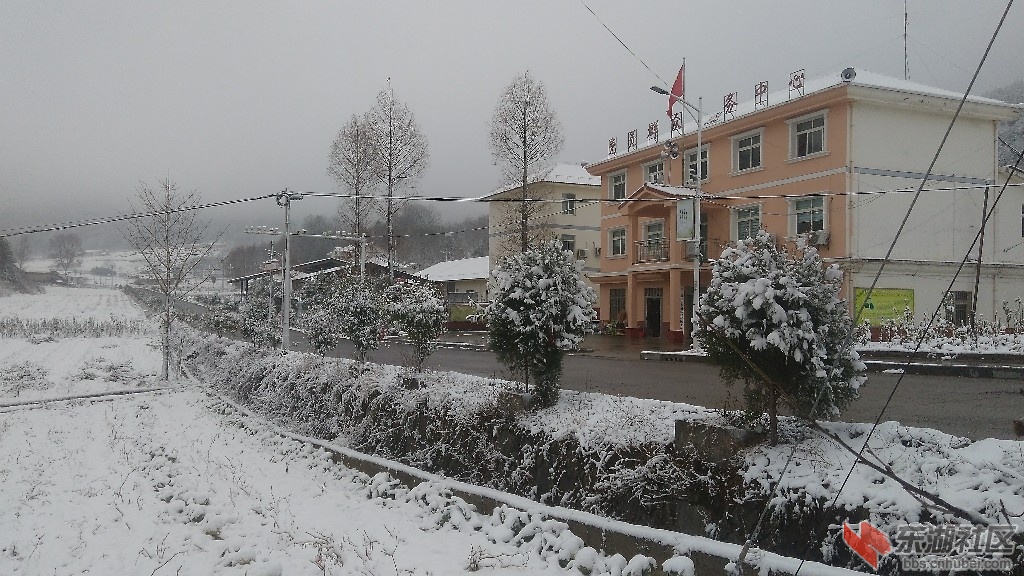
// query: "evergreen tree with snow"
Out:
[783,315]
[418,311]
[260,315]
[321,296]
[360,315]
[540,308]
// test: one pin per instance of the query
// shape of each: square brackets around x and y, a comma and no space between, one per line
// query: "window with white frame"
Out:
[748,221]
[746,151]
[617,186]
[807,136]
[808,214]
[654,172]
[617,241]
[569,243]
[691,164]
[568,203]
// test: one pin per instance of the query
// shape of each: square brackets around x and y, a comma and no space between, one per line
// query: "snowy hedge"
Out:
[615,456]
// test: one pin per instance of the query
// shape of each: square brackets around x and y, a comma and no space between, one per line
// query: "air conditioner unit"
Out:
[819,237]
[581,254]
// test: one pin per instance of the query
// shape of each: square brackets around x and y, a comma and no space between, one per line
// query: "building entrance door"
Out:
[652,312]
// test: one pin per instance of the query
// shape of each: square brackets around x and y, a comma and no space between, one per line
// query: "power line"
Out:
[628,49]
[881,267]
[121,217]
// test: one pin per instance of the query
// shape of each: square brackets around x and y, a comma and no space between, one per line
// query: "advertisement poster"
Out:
[885,304]
[684,219]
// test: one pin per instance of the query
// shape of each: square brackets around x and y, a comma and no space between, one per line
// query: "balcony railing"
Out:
[651,251]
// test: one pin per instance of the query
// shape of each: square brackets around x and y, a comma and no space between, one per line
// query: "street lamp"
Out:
[699,118]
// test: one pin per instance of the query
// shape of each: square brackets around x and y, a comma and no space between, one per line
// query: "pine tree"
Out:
[416,310]
[782,315]
[540,309]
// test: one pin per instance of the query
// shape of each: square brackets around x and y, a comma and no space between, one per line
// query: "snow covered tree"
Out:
[400,155]
[351,165]
[259,315]
[321,316]
[540,309]
[525,135]
[360,316]
[419,312]
[171,244]
[784,316]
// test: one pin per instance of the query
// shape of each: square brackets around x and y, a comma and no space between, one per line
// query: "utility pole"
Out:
[285,199]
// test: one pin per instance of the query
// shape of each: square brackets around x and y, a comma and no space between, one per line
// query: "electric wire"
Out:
[881,267]
[628,49]
[9,232]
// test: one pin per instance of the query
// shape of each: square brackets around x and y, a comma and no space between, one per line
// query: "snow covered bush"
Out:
[783,314]
[320,296]
[540,309]
[416,310]
[360,315]
[262,331]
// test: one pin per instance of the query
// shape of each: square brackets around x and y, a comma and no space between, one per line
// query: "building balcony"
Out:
[651,251]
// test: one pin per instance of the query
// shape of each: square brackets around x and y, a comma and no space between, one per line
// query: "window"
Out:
[654,231]
[617,240]
[568,203]
[655,172]
[748,221]
[617,185]
[691,164]
[569,243]
[746,151]
[808,136]
[809,214]
[617,305]
[958,307]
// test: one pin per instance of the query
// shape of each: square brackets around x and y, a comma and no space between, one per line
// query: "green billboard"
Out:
[885,304]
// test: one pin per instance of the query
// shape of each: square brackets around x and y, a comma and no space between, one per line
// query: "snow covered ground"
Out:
[61,302]
[178,480]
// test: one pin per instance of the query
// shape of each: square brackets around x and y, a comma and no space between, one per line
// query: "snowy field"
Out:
[177,482]
[60,302]
[180,483]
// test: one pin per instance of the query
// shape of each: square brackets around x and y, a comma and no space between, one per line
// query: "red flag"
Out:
[678,88]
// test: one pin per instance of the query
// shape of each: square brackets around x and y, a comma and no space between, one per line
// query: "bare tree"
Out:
[66,251]
[351,165]
[22,251]
[400,156]
[171,243]
[525,136]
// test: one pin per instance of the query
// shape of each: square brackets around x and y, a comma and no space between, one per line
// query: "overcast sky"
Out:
[238,99]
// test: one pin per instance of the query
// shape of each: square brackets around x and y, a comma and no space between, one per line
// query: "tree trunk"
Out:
[167,337]
[773,416]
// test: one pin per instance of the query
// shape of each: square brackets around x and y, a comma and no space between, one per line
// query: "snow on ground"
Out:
[61,302]
[179,480]
[35,368]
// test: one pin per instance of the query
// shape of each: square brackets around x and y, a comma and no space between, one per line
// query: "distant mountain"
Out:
[1012,132]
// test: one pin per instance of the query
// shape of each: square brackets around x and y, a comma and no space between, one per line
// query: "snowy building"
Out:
[836,159]
[565,215]
[464,280]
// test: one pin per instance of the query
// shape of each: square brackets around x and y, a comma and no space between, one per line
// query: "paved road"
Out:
[973,407]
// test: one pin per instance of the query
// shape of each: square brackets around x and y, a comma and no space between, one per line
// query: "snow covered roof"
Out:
[558,174]
[465,269]
[862,78]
